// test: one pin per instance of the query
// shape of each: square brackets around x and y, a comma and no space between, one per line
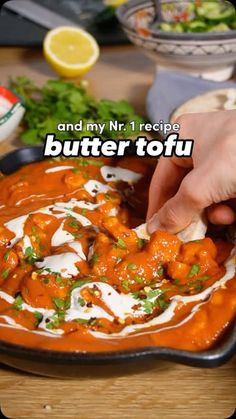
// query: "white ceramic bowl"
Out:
[193,52]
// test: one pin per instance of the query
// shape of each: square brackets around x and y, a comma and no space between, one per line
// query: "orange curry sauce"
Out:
[75,276]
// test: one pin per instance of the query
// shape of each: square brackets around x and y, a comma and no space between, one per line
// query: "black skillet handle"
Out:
[12,161]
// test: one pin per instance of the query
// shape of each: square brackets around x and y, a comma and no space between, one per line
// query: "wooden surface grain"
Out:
[162,389]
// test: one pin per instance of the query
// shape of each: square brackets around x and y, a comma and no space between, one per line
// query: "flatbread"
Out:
[222,99]
[195,231]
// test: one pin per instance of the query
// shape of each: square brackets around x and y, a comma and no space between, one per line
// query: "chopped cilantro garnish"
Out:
[59,303]
[176,281]
[34,229]
[30,255]
[198,284]
[73,222]
[103,278]
[18,303]
[81,302]
[194,270]
[160,271]
[131,266]
[154,293]
[163,304]
[54,321]
[81,321]
[38,316]
[59,279]
[46,281]
[148,306]
[135,294]
[84,211]
[88,162]
[93,321]
[35,234]
[94,259]
[125,284]
[204,278]
[78,284]
[6,255]
[5,273]
[139,279]
[108,196]
[141,243]
[121,243]
[80,235]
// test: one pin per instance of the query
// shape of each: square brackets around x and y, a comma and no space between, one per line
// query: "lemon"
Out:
[70,51]
[114,3]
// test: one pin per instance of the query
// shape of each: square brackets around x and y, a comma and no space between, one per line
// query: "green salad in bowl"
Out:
[198,16]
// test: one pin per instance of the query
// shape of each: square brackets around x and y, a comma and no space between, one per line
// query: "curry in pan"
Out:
[75,275]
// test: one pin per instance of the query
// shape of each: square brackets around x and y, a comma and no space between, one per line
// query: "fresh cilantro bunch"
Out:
[60,101]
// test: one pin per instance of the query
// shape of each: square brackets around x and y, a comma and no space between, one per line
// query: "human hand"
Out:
[181,188]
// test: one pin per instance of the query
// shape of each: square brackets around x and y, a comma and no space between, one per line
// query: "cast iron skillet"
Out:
[73,364]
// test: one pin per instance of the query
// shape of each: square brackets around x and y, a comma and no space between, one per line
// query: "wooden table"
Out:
[164,390]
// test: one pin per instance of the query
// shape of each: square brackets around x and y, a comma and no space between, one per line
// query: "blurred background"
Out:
[25,22]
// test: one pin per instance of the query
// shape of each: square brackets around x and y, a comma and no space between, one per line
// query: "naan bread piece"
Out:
[195,231]
[142,232]
[216,100]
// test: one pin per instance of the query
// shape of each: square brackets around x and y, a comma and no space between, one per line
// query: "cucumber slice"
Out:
[197,26]
[216,12]
[233,24]
[166,27]
[178,27]
[221,27]
[208,7]
[171,27]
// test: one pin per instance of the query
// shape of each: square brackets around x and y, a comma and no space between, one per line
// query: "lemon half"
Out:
[114,3]
[70,51]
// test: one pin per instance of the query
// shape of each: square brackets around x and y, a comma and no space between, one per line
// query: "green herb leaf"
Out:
[125,285]
[46,281]
[59,101]
[160,271]
[59,279]
[163,304]
[141,243]
[5,273]
[59,303]
[194,270]
[139,279]
[121,243]
[81,321]
[73,222]
[131,266]
[38,316]
[6,255]
[103,278]
[94,259]
[30,255]
[108,196]
[78,284]
[84,211]
[176,281]
[18,303]
[148,306]
[81,302]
